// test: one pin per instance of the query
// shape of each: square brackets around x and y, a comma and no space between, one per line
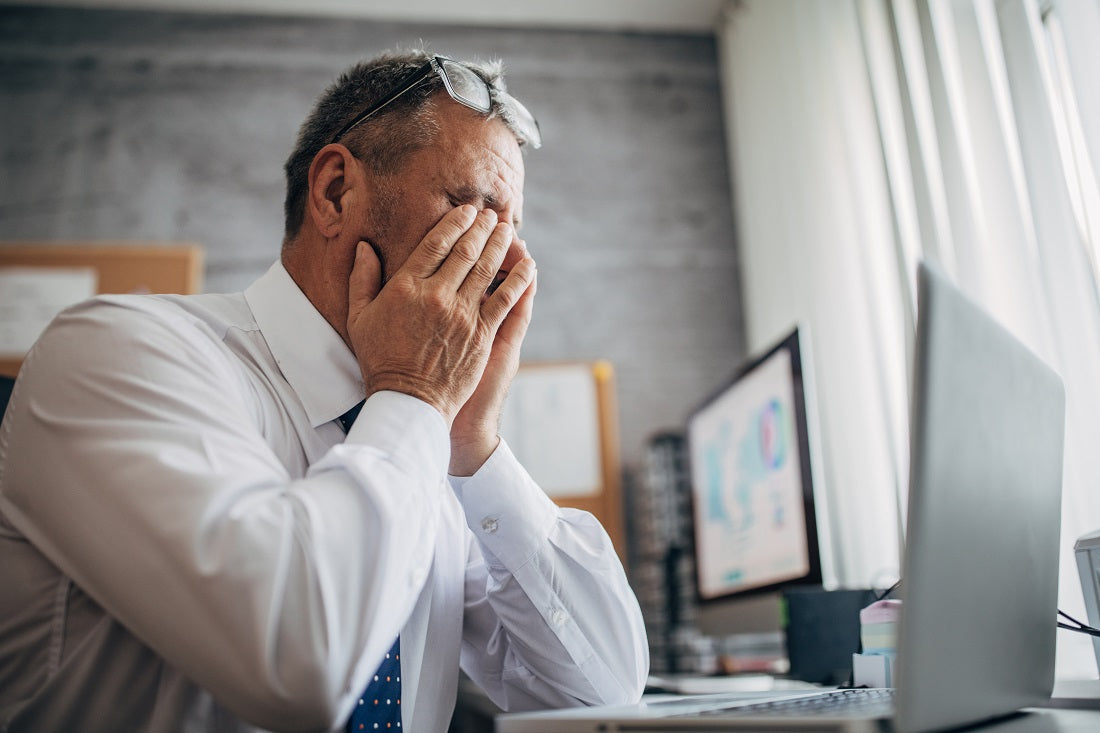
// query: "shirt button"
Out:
[489,524]
[558,617]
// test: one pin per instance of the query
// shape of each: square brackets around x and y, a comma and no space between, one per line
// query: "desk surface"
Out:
[633,719]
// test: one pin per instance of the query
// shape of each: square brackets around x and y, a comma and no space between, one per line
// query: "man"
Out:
[190,539]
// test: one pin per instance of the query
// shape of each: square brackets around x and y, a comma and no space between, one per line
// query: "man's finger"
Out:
[480,276]
[501,302]
[514,327]
[437,243]
[469,249]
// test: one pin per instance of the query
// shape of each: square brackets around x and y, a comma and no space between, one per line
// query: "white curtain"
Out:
[866,134]
[810,193]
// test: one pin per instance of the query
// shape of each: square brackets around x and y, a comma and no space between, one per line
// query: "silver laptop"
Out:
[980,574]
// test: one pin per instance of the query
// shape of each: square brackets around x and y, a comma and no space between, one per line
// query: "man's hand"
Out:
[474,435]
[427,332]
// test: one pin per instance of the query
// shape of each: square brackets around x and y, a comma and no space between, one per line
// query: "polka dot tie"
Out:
[379,708]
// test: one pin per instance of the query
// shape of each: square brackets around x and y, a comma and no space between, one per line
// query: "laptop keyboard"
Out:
[862,702]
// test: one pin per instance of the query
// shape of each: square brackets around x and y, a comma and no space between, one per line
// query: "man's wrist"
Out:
[467,456]
[413,388]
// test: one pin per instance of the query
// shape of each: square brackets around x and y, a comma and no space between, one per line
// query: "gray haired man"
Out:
[289,508]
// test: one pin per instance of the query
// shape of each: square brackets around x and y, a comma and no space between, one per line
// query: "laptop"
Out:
[980,572]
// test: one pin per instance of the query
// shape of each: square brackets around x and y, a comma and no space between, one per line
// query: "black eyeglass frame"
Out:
[529,127]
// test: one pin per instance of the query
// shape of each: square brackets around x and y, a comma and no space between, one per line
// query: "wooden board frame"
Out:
[605,503]
[137,267]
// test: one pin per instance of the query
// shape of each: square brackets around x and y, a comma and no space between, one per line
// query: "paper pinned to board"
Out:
[551,422]
[30,297]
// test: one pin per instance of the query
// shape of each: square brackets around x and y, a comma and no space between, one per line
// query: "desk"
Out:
[589,720]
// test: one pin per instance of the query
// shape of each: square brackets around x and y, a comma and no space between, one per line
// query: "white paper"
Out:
[873,670]
[30,297]
[551,422]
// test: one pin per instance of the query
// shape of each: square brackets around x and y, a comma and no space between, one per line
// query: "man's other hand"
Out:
[474,434]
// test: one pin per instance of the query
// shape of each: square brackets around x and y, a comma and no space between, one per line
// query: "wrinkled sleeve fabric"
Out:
[550,620]
[135,461]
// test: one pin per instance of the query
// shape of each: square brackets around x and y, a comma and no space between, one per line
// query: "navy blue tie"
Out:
[349,417]
[379,707]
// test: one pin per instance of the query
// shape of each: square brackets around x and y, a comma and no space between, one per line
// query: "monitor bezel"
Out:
[791,343]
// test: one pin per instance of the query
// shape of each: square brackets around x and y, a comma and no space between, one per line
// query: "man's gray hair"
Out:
[386,139]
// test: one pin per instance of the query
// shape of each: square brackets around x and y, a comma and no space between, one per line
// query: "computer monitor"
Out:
[754,525]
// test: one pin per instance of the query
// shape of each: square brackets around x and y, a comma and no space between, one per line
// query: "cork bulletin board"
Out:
[39,279]
[561,422]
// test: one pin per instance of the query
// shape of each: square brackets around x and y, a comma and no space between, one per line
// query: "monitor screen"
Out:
[752,496]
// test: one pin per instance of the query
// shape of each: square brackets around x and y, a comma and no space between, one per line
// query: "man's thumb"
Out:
[366,276]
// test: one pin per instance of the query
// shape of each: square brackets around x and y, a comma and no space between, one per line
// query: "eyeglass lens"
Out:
[466,86]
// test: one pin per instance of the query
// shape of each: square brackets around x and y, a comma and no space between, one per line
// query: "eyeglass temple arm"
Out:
[412,79]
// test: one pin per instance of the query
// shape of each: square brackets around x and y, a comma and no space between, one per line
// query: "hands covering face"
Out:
[434,332]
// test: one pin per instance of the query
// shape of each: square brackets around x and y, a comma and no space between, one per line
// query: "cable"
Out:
[888,591]
[1079,627]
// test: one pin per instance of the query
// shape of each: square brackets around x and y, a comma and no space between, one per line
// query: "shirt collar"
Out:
[315,361]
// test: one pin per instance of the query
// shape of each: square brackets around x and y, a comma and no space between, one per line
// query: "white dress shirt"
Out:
[190,541]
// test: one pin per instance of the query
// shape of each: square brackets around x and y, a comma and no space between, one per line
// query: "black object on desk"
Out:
[822,630]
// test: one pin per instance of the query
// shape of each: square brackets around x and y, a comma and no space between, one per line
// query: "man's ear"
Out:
[333,176]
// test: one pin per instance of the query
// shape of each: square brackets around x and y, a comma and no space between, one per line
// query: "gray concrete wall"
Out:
[174,127]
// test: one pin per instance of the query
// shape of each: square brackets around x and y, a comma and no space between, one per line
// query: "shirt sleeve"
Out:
[550,618]
[133,458]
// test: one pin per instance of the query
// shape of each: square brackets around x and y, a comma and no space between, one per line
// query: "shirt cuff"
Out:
[505,509]
[408,430]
